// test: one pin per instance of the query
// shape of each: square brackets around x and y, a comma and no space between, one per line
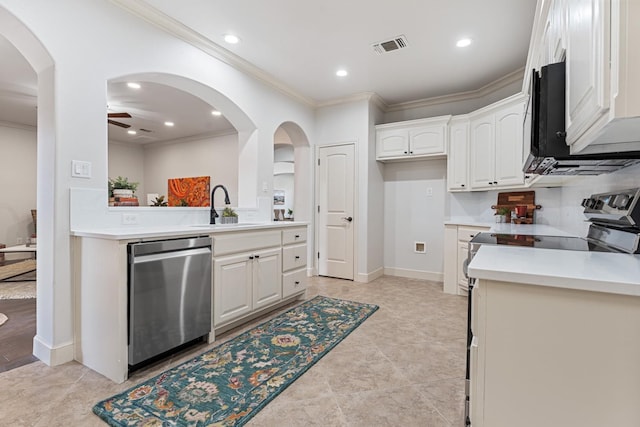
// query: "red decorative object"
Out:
[192,192]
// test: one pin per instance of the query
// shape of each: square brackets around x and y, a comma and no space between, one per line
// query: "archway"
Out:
[42,63]
[289,138]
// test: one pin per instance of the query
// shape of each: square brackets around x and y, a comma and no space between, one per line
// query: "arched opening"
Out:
[39,92]
[292,176]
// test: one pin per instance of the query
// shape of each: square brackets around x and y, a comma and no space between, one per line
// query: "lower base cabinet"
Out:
[245,282]
[256,270]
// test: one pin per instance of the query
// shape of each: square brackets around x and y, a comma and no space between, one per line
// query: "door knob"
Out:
[348,218]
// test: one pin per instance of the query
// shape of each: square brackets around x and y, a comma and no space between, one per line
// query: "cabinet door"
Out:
[482,152]
[232,287]
[587,64]
[392,143]
[457,164]
[267,278]
[427,140]
[508,140]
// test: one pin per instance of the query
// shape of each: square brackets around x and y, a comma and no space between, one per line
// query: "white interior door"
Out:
[336,211]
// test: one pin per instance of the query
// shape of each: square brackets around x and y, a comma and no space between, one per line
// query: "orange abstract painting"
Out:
[189,191]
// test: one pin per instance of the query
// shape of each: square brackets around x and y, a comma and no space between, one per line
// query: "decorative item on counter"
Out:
[159,201]
[501,214]
[121,192]
[194,191]
[518,202]
[229,216]
[278,214]
[289,214]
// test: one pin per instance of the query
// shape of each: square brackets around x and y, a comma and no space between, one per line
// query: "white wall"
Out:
[351,123]
[215,157]
[18,183]
[72,75]
[411,215]
[127,160]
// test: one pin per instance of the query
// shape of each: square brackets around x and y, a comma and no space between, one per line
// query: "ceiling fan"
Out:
[118,116]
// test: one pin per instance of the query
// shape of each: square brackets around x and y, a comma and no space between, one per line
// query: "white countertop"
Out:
[141,232]
[465,220]
[589,271]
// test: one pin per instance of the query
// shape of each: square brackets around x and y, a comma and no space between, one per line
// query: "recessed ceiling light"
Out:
[463,42]
[134,85]
[341,73]
[168,124]
[231,39]
[131,132]
[216,113]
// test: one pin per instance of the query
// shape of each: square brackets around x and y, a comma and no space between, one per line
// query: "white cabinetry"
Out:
[574,353]
[457,161]
[587,65]
[599,40]
[412,140]
[496,144]
[294,261]
[246,274]
[456,244]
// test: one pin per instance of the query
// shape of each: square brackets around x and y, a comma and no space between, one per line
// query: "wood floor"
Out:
[16,335]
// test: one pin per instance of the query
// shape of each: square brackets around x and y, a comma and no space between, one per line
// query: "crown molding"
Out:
[361,96]
[513,77]
[150,14]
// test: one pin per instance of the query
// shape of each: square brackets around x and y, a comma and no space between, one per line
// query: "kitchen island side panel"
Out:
[556,357]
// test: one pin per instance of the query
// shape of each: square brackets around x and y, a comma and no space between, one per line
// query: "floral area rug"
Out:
[229,384]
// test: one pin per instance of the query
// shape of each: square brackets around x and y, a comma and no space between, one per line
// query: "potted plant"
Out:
[159,201]
[229,216]
[502,214]
[121,187]
[290,214]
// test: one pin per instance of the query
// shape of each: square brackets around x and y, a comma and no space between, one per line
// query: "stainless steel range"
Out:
[615,227]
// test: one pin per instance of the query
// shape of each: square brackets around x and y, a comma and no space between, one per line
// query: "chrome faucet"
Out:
[214,214]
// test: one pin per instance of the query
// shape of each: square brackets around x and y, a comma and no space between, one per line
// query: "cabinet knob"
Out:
[297,283]
[461,185]
[490,183]
[410,152]
[297,257]
[250,257]
[297,236]
[257,256]
[495,182]
[406,152]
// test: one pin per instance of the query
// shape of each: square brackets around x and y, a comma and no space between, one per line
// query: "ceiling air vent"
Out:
[395,43]
[144,130]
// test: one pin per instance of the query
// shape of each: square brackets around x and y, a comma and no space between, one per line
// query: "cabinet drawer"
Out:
[467,233]
[294,257]
[228,243]
[294,282]
[294,235]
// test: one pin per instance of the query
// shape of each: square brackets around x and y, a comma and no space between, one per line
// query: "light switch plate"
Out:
[80,169]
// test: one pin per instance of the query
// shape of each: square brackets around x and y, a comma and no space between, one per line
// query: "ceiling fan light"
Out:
[134,85]
[132,132]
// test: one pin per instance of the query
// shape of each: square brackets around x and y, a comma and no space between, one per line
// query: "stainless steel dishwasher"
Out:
[169,295]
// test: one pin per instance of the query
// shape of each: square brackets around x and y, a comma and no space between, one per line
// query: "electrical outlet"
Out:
[129,219]
[429,192]
[419,247]
[19,241]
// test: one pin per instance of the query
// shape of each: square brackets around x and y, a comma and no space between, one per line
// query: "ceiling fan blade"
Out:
[119,115]
[122,125]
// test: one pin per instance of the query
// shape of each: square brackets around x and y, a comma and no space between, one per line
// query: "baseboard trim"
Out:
[414,274]
[50,355]
[368,277]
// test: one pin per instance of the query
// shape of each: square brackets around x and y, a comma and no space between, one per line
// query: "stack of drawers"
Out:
[294,261]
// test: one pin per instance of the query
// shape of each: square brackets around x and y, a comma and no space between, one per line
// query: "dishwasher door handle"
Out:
[168,255]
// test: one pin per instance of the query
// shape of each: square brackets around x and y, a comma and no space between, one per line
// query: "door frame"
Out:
[356,204]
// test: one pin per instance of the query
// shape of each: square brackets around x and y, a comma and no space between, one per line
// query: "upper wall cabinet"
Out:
[412,140]
[599,40]
[496,143]
[458,159]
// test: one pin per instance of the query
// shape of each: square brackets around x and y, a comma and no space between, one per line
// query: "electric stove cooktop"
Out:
[543,242]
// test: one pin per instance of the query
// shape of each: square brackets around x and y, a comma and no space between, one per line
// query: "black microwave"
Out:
[549,153]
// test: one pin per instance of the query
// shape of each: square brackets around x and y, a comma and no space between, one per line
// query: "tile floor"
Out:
[404,366]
